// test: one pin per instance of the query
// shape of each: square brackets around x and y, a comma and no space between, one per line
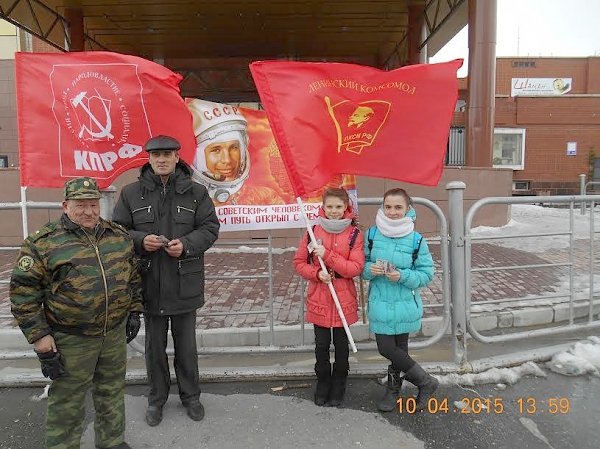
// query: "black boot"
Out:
[338,385]
[426,383]
[154,415]
[388,401]
[123,445]
[323,372]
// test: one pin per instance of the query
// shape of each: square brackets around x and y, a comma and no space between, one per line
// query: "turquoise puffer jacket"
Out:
[396,307]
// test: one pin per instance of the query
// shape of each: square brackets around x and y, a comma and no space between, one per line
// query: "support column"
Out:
[456,220]
[482,83]
[75,18]
[415,35]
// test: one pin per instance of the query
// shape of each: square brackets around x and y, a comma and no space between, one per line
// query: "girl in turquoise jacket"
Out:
[398,263]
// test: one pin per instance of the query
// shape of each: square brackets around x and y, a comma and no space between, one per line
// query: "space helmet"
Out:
[217,122]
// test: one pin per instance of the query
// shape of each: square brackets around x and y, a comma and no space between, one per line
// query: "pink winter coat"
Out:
[346,262]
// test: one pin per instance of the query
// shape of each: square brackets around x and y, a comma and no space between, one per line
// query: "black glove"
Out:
[133,326]
[52,364]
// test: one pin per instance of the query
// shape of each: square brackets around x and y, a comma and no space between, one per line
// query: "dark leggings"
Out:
[395,349]
[340,341]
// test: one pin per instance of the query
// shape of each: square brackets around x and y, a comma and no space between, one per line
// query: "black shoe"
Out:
[323,371]
[153,415]
[426,383]
[338,386]
[389,400]
[195,410]
[123,445]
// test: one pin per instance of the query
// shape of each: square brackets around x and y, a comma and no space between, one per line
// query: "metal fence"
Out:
[469,270]
[583,189]
[455,240]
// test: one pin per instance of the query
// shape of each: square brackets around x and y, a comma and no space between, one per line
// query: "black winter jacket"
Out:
[180,209]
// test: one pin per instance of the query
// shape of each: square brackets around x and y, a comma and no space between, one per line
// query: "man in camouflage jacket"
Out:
[76,295]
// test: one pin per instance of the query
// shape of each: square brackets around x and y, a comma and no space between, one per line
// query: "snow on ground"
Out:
[582,358]
[493,376]
[251,249]
[531,219]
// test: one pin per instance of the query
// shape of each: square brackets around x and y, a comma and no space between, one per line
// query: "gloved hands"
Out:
[52,364]
[133,326]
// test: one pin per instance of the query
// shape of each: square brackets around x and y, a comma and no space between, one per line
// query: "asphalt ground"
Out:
[536,413]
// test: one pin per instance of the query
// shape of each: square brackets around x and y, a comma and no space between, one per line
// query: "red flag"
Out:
[331,118]
[90,113]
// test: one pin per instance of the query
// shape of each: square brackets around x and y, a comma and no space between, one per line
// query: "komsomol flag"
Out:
[331,118]
[90,113]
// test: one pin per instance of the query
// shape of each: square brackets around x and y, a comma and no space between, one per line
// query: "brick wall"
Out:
[39,46]
[551,122]
[8,112]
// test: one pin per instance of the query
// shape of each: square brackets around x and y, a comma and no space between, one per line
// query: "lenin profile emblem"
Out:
[357,124]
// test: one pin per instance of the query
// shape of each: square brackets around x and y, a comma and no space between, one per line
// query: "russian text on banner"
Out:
[238,161]
[331,118]
[90,113]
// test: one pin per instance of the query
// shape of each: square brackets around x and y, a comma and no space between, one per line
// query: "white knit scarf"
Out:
[334,226]
[394,227]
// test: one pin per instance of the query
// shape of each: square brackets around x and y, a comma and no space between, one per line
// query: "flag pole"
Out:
[330,284]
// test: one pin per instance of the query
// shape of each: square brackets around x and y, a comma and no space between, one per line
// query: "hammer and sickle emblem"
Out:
[104,130]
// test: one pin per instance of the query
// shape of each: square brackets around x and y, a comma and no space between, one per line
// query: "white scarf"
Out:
[394,227]
[334,226]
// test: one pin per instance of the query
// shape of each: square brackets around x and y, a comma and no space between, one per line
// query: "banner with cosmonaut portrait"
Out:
[90,113]
[238,161]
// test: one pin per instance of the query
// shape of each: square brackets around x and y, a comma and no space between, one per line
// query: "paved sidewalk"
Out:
[241,295]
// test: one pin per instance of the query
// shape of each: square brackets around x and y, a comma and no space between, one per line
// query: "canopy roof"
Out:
[180,33]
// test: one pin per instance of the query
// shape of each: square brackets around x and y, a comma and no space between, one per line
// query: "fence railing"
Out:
[469,270]
[455,241]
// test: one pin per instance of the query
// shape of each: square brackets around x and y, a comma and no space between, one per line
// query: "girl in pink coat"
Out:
[341,248]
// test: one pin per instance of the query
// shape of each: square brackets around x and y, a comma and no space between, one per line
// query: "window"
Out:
[523,64]
[521,185]
[3,161]
[509,148]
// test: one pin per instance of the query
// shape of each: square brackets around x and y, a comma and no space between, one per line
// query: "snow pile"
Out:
[530,219]
[582,358]
[493,376]
[42,396]
[250,250]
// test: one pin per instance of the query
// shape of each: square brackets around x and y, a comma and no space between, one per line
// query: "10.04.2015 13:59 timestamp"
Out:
[489,406]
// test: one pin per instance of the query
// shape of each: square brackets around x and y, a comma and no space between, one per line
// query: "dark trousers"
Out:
[323,342]
[183,330]
[395,349]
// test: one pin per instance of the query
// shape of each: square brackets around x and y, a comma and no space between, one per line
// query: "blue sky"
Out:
[538,28]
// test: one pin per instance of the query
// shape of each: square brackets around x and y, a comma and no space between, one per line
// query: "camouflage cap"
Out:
[83,188]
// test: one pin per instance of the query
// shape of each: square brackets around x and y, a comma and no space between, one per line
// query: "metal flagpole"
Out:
[330,284]
[24,212]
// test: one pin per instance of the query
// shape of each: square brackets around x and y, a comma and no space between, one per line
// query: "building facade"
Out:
[547,123]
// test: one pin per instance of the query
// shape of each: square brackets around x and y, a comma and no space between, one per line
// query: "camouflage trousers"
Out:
[97,362]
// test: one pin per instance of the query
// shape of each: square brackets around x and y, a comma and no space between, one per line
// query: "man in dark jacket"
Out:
[173,222]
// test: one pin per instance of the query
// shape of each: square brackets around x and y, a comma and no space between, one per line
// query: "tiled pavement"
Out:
[241,295]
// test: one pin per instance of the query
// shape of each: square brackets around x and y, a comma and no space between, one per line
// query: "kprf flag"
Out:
[90,113]
[331,118]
